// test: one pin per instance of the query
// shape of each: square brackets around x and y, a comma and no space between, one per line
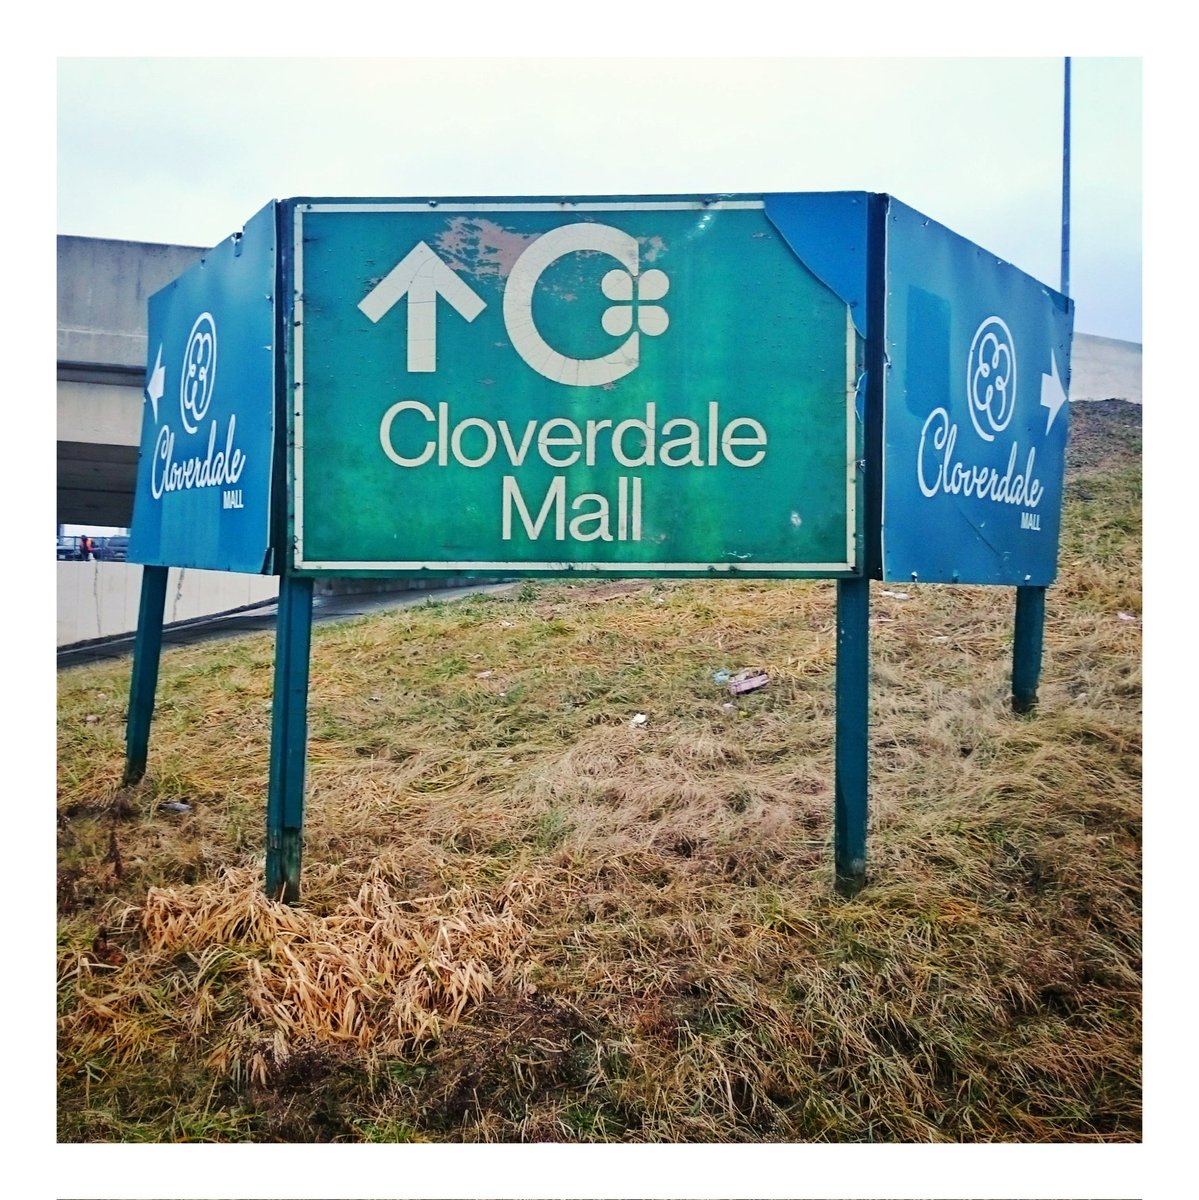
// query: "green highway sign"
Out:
[623,386]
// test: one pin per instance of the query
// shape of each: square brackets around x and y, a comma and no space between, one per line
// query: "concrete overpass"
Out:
[103,287]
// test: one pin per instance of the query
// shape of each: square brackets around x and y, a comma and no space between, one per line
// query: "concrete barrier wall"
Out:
[100,599]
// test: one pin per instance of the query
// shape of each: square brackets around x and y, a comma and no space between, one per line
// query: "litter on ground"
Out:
[748,680]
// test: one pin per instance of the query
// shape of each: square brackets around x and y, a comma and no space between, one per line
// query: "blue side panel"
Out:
[203,495]
[827,232]
[975,416]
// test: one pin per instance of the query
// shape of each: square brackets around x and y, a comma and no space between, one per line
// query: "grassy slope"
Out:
[525,919]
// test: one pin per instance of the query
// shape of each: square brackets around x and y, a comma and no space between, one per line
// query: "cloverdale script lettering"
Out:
[172,471]
[991,397]
[217,468]
[413,435]
[940,472]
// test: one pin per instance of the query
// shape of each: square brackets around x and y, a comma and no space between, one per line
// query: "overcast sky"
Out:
[186,150]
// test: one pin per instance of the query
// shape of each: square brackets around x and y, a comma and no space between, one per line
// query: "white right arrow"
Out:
[422,277]
[1053,395]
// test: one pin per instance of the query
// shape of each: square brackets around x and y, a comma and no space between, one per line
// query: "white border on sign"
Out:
[606,567]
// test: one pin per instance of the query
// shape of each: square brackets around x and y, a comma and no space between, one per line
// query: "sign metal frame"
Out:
[851,565]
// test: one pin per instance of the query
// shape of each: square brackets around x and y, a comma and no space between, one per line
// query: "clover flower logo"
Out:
[199,372]
[631,313]
[991,378]
[631,293]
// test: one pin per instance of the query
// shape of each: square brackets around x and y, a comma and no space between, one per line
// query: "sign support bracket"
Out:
[147,652]
[289,736]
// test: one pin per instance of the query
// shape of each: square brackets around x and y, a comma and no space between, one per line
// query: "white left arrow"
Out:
[1053,395]
[154,388]
[422,277]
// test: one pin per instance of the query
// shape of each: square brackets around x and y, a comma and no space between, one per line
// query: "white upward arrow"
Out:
[154,388]
[1053,395]
[422,277]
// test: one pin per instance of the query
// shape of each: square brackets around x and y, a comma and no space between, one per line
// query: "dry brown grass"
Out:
[525,919]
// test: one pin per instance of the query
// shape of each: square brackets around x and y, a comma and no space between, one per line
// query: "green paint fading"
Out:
[750,328]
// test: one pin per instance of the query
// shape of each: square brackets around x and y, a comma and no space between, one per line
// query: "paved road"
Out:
[261,619]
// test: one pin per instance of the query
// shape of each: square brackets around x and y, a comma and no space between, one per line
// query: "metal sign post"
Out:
[289,738]
[1028,636]
[851,784]
[147,652]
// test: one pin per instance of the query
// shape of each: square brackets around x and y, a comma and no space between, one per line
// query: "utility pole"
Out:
[1065,284]
[1029,632]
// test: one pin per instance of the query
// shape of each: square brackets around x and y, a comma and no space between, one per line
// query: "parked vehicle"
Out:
[112,549]
[70,549]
